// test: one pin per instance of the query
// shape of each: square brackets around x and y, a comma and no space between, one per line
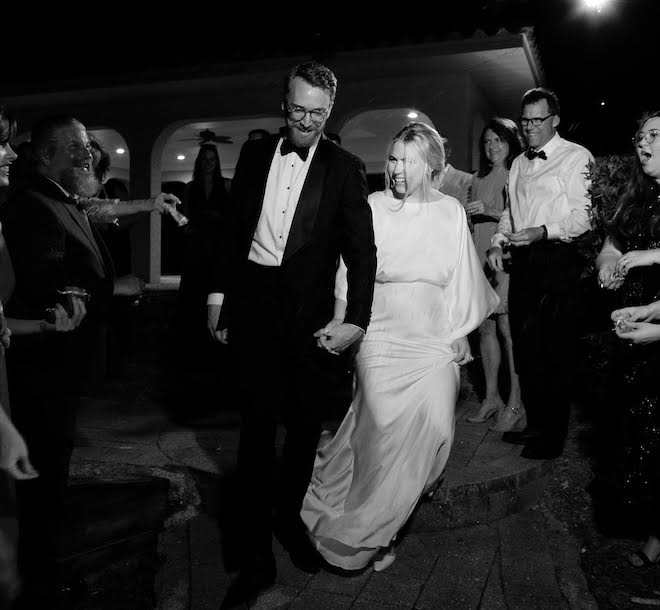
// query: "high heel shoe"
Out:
[513,418]
[385,557]
[487,410]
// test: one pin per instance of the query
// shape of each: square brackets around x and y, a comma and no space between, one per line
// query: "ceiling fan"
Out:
[207,136]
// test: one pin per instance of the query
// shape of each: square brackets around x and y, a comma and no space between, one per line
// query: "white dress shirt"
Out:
[284,184]
[550,192]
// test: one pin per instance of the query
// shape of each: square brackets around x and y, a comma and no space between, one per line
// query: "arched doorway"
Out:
[178,161]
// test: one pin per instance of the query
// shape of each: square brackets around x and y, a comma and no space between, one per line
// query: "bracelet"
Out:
[544,236]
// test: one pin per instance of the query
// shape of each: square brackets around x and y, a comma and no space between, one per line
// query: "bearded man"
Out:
[53,247]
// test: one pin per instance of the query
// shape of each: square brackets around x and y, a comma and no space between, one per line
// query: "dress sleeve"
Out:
[470,297]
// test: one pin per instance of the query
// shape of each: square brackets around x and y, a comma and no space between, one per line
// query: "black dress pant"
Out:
[282,377]
[543,314]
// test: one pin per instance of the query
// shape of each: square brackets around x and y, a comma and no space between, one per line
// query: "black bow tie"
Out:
[287,148]
[532,154]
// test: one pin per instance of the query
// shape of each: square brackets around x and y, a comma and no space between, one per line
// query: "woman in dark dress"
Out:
[629,262]
[203,202]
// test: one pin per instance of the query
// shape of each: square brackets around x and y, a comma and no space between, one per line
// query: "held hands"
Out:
[336,336]
[212,318]
[461,348]
[495,258]
[636,258]
[475,207]
[525,237]
[14,454]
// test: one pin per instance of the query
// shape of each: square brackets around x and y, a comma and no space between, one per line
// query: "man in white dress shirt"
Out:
[549,209]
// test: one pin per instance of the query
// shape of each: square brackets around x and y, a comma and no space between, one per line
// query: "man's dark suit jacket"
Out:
[332,217]
[53,246]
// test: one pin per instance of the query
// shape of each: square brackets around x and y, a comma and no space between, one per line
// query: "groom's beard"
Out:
[78,181]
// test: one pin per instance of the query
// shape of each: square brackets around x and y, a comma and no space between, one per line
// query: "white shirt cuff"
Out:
[554,230]
[215,298]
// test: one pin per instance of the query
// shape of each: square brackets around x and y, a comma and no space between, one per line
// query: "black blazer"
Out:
[53,246]
[332,218]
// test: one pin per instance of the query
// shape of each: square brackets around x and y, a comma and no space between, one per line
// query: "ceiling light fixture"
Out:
[596,5]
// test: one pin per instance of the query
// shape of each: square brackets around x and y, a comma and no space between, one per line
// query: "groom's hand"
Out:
[213,315]
[336,336]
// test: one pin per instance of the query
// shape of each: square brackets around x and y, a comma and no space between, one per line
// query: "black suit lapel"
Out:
[69,215]
[108,264]
[260,169]
[308,202]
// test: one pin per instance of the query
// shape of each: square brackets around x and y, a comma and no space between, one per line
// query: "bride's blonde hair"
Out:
[430,147]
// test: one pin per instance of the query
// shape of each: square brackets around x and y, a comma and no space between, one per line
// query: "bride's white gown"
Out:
[395,439]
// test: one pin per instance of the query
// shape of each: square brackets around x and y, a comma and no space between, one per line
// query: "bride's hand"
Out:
[461,348]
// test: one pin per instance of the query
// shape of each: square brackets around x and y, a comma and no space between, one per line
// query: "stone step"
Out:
[484,480]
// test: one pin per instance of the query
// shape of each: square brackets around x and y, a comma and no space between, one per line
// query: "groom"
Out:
[297,203]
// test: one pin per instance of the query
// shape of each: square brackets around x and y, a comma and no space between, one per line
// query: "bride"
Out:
[430,293]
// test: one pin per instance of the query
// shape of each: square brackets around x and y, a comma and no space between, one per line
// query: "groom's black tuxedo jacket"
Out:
[332,217]
[52,245]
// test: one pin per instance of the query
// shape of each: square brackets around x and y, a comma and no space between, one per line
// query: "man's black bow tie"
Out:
[287,148]
[532,154]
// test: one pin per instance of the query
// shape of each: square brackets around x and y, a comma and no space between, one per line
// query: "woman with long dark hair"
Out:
[203,202]
[629,262]
[499,144]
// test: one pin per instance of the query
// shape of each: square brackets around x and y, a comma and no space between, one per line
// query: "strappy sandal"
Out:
[644,561]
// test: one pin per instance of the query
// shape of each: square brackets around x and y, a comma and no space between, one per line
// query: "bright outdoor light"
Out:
[181,157]
[412,115]
[120,151]
[602,103]
[596,5]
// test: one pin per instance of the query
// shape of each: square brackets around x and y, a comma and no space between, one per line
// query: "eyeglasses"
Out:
[648,136]
[297,113]
[536,121]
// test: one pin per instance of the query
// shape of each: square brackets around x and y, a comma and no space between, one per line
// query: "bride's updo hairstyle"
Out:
[430,147]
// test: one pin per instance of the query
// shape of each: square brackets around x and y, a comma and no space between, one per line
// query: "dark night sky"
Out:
[587,58]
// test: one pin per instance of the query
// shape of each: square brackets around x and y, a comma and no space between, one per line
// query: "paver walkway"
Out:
[478,544]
